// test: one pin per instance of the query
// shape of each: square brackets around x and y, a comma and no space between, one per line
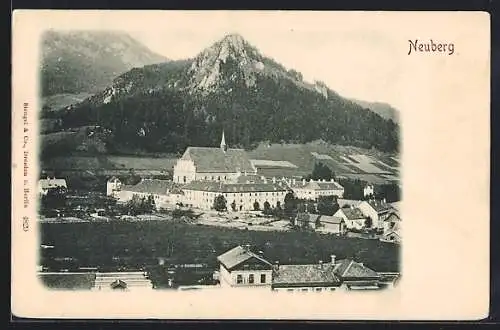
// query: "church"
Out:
[212,164]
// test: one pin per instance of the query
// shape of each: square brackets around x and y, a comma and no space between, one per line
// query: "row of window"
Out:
[251,279]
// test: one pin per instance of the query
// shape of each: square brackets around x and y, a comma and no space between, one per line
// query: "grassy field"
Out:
[109,162]
[138,244]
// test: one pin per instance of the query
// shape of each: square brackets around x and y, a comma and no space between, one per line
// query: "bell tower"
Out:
[223,145]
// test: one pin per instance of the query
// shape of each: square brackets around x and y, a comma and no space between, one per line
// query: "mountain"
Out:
[87,61]
[383,109]
[229,86]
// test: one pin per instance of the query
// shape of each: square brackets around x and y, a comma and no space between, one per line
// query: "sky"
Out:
[357,60]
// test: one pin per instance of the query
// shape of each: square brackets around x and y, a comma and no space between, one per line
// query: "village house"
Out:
[323,223]
[44,185]
[312,190]
[353,217]
[165,192]
[392,232]
[376,210]
[113,187]
[243,196]
[356,276]
[212,164]
[306,220]
[332,225]
[240,267]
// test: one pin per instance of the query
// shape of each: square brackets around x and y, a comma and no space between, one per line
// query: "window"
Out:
[262,278]
[305,289]
[250,279]
[318,289]
[289,290]
[239,279]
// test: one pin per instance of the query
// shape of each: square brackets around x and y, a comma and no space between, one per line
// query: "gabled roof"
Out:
[307,217]
[393,217]
[305,274]
[153,186]
[113,179]
[215,160]
[352,213]
[237,255]
[233,187]
[348,268]
[331,219]
[348,202]
[250,179]
[379,206]
[52,183]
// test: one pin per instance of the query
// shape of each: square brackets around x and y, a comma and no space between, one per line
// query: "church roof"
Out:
[215,160]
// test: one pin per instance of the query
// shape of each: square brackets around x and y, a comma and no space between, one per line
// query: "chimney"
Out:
[293,181]
[332,259]
[321,264]
[274,179]
[352,207]
[303,182]
[277,265]
[331,180]
[384,201]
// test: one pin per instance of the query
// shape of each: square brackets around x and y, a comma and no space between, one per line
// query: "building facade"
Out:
[113,187]
[353,217]
[312,190]
[377,211]
[240,267]
[238,196]
[165,192]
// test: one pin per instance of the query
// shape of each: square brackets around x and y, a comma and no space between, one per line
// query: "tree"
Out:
[290,204]
[220,203]
[256,206]
[368,222]
[54,199]
[327,205]
[321,172]
[267,207]
[233,205]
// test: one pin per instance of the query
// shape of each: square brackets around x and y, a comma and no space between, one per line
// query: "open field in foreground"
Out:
[132,245]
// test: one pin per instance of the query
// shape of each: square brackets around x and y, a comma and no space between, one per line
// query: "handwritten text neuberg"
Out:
[431,47]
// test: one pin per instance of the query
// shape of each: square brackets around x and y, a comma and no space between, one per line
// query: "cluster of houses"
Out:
[203,173]
[240,267]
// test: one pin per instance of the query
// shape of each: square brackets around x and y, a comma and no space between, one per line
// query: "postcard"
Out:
[278,165]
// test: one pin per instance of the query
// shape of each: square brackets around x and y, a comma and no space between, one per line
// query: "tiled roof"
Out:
[52,183]
[272,163]
[153,186]
[330,219]
[348,202]
[237,255]
[317,185]
[379,206]
[250,179]
[232,187]
[210,160]
[393,217]
[305,274]
[347,268]
[114,179]
[352,213]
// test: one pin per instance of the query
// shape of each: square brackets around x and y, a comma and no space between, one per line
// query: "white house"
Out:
[368,190]
[165,192]
[392,228]
[212,164]
[378,211]
[240,267]
[201,194]
[352,216]
[312,190]
[113,187]
[44,185]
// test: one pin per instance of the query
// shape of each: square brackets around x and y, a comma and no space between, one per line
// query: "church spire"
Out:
[223,142]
